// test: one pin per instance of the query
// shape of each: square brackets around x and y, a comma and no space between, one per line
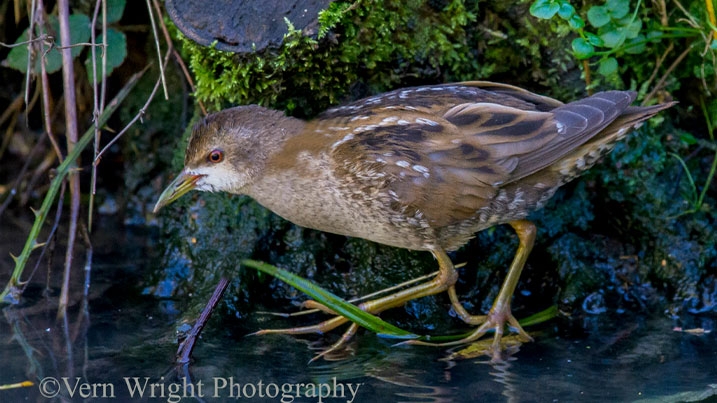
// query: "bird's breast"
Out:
[310,195]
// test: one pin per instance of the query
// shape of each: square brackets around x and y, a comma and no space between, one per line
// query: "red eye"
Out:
[215,156]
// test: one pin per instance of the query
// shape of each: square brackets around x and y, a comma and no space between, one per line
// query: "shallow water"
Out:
[124,341]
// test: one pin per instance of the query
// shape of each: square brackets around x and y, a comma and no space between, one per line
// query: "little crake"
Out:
[420,168]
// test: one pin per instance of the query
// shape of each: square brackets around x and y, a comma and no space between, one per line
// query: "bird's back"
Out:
[453,159]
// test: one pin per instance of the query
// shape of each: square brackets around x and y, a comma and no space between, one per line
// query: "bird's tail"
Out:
[633,117]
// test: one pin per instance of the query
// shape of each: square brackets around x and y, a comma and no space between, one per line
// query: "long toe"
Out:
[495,321]
[319,328]
[329,353]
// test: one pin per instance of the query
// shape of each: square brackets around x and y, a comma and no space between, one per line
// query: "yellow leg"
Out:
[500,312]
[499,315]
[311,306]
[445,278]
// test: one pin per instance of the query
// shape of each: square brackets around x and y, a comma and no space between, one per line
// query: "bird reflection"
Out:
[415,377]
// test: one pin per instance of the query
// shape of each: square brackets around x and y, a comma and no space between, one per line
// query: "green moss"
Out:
[367,43]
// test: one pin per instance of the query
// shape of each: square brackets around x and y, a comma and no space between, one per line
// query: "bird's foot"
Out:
[496,320]
[509,345]
[440,282]
[319,328]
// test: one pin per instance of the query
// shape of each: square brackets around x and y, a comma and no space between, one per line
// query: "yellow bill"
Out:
[183,183]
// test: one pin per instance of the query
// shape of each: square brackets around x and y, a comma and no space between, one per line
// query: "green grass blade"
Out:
[8,295]
[540,317]
[333,302]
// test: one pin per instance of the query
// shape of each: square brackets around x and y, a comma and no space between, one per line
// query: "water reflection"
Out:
[396,369]
[120,337]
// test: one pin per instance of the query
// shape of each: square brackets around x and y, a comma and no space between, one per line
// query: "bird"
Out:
[422,168]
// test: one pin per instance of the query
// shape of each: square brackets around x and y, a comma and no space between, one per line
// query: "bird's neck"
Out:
[276,134]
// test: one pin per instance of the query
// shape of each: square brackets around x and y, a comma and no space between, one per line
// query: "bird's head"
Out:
[226,151]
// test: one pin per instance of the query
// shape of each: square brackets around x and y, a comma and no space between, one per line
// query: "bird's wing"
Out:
[529,141]
[449,164]
[436,99]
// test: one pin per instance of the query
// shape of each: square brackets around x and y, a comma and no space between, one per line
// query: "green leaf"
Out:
[593,39]
[654,36]
[576,22]
[613,39]
[607,67]
[115,9]
[566,11]
[618,8]
[582,49]
[79,33]
[633,29]
[688,138]
[598,16]
[544,9]
[116,52]
[331,301]
[635,45]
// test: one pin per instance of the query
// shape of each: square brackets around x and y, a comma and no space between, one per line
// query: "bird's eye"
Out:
[215,156]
